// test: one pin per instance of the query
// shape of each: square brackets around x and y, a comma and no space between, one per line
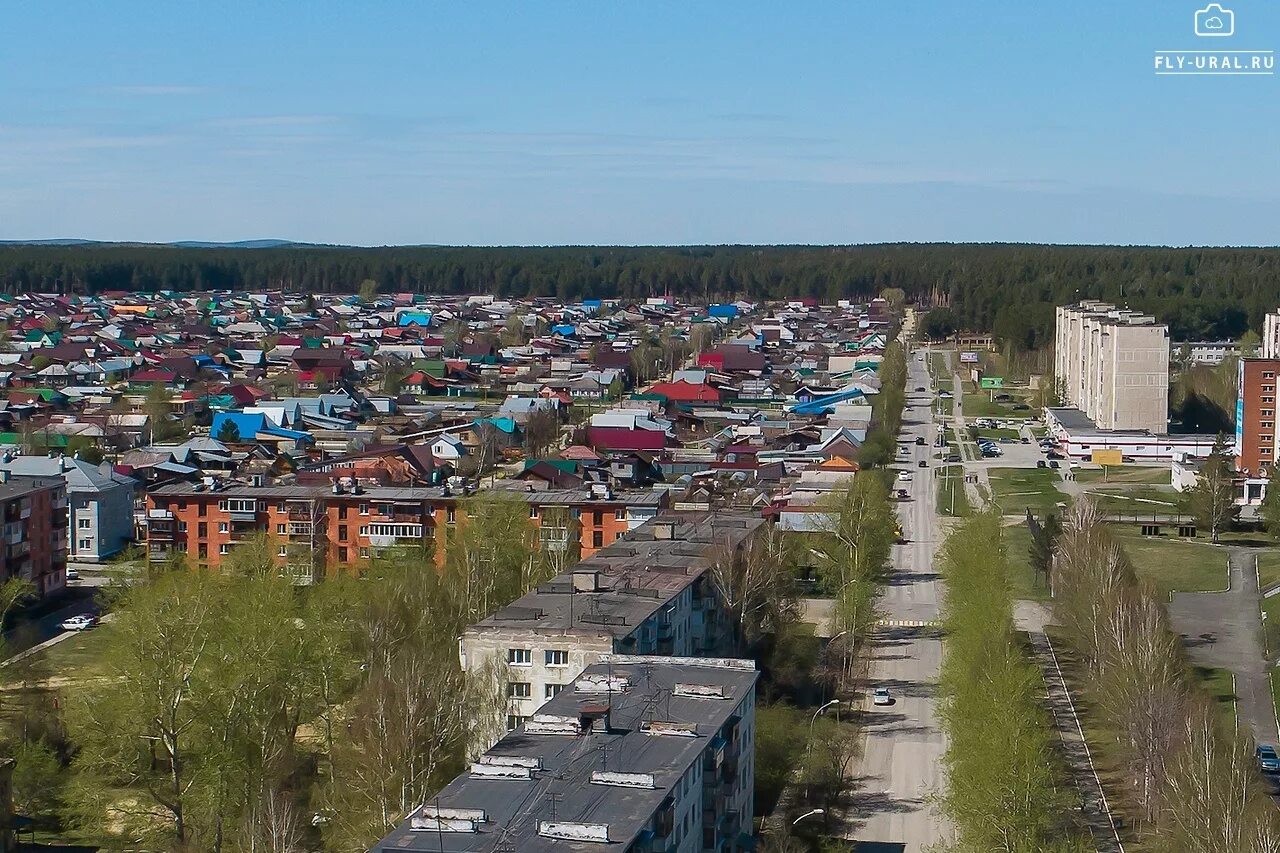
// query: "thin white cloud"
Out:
[273,121]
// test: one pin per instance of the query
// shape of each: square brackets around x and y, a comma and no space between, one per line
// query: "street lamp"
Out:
[807,814]
[809,748]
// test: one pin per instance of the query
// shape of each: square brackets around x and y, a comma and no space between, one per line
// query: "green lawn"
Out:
[1140,500]
[1123,474]
[1023,581]
[1271,625]
[951,493]
[978,404]
[1014,490]
[1174,565]
[1219,686]
[1268,568]
[997,434]
[78,657]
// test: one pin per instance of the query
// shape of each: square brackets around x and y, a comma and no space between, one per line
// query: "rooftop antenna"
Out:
[554,798]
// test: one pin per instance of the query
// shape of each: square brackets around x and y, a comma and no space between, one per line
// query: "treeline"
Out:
[1008,289]
[1194,783]
[1005,789]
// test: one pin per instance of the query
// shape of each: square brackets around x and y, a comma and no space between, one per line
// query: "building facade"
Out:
[34,512]
[648,754]
[1113,365]
[317,528]
[652,593]
[1256,446]
[99,503]
[1271,335]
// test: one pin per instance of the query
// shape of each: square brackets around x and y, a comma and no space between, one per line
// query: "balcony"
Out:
[14,533]
[243,514]
[300,528]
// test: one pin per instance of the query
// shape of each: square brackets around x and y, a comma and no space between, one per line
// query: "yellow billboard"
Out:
[1107,457]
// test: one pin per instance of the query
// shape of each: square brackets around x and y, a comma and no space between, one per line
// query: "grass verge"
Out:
[952,499]
[1175,565]
[1015,490]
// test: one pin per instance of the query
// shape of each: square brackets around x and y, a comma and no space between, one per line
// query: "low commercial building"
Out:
[650,593]
[33,511]
[636,753]
[1079,438]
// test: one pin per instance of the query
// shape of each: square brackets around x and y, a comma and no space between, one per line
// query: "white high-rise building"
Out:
[1113,365]
[1271,335]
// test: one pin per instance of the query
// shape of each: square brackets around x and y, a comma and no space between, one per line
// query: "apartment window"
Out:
[533,512]
[86,544]
[619,515]
[1269,388]
[222,506]
[549,691]
[556,657]
[342,511]
[202,550]
[282,551]
[280,529]
[597,517]
[1268,399]
[519,690]
[182,527]
[342,533]
[224,548]
[202,510]
[364,509]
[450,515]
[1268,424]
[202,529]
[1266,413]
[280,507]
[223,527]
[519,657]
[342,555]
[1268,374]
[515,721]
[364,553]
[597,539]
[84,523]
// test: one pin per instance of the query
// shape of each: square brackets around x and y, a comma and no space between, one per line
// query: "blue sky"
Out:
[632,122]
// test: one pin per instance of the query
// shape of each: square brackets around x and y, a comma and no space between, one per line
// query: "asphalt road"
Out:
[79,599]
[902,758]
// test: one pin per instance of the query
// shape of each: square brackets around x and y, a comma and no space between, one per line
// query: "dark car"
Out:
[1054,454]
[1040,463]
[920,440]
[1053,463]
[953,457]
[923,463]
[1268,761]
[903,495]
[919,387]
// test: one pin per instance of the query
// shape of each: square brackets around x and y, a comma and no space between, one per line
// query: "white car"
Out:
[78,623]
[880,696]
[73,574]
[904,476]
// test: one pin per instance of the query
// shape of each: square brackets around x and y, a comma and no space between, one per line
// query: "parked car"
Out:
[902,494]
[78,623]
[1040,463]
[1053,463]
[73,574]
[904,476]
[923,463]
[1268,760]
[1025,440]
[1055,454]
[953,457]
[881,696]
[920,440]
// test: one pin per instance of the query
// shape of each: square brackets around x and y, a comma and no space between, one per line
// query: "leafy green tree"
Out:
[37,780]
[368,290]
[1270,510]
[1213,495]
[228,433]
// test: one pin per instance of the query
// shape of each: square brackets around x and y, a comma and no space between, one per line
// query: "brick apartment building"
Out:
[318,527]
[34,511]
[1256,447]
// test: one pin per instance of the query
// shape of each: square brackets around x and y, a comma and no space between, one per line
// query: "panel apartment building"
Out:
[33,511]
[1113,365]
[637,754]
[317,527]
[650,593]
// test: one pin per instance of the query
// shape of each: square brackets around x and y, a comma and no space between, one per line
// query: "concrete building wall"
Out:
[1256,434]
[1113,365]
[1271,335]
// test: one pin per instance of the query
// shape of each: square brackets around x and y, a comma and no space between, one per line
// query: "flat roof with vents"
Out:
[590,769]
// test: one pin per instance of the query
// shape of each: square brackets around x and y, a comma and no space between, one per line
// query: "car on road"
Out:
[919,387]
[923,463]
[1025,440]
[73,574]
[920,440]
[881,696]
[953,457]
[903,495]
[1054,454]
[1268,760]
[904,476]
[83,622]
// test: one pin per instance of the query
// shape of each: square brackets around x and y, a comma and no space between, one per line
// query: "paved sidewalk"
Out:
[1095,810]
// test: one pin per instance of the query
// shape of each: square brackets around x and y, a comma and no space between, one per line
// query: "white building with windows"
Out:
[650,592]
[636,754]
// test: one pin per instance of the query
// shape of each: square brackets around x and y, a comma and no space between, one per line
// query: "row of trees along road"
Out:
[1005,790]
[231,707]
[1194,787]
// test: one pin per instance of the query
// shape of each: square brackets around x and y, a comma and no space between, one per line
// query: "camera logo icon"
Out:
[1213,21]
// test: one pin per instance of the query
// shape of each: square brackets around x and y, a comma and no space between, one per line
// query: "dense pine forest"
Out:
[1008,289]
